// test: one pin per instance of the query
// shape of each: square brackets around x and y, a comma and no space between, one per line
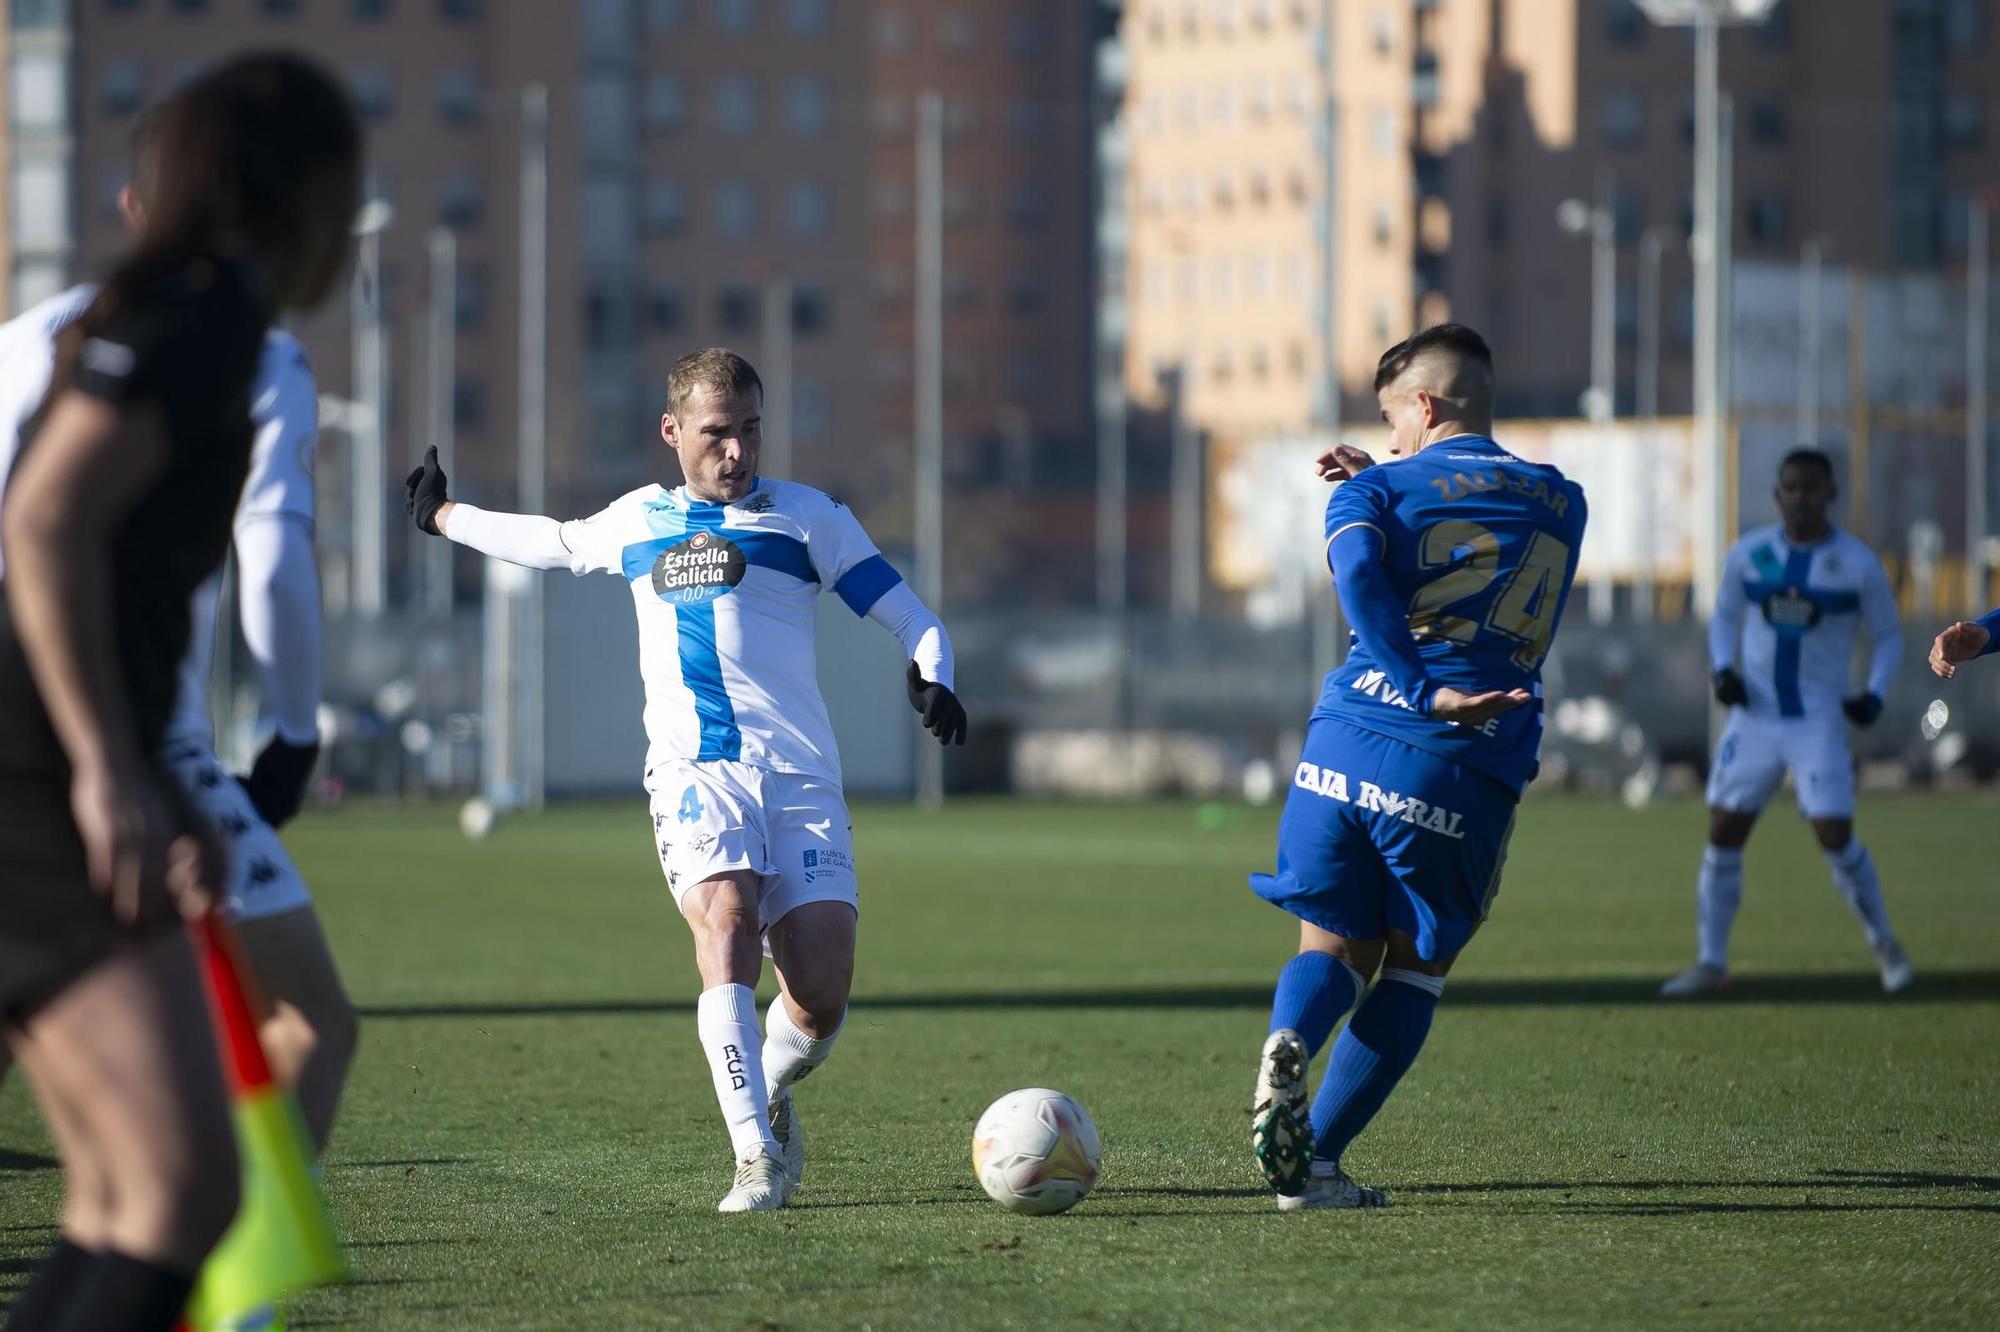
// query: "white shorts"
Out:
[711,818]
[1750,764]
[262,880]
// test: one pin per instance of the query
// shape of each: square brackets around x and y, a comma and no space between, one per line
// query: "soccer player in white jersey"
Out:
[748,816]
[311,1033]
[1794,597]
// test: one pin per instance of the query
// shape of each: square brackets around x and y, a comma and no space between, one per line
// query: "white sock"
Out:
[726,1017]
[790,1054]
[1719,893]
[1854,874]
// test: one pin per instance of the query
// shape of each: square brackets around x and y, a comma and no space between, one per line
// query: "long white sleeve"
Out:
[518,538]
[919,630]
[1885,631]
[278,603]
[1725,627]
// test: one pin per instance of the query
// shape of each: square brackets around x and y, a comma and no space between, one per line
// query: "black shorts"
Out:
[53,925]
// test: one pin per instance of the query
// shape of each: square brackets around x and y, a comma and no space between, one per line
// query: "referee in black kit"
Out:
[119,505]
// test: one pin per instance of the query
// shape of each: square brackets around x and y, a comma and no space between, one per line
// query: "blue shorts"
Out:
[1379,835]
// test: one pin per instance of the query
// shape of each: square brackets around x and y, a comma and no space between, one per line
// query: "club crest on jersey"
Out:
[761,502]
[1791,608]
[701,568]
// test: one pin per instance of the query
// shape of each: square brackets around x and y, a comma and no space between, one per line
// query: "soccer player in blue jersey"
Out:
[1786,673]
[1453,564]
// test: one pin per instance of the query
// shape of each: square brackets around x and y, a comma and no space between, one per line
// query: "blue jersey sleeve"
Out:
[1990,622]
[1381,625]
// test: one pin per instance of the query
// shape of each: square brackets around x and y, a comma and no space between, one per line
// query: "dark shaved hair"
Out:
[1457,342]
[1808,458]
[715,370]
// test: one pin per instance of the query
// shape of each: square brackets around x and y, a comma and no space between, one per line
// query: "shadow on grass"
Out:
[1821,1179]
[13,1160]
[1589,992]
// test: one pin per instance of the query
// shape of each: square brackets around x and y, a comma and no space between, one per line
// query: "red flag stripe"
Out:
[231,1001]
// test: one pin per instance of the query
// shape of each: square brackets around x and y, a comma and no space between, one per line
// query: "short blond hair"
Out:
[714,369]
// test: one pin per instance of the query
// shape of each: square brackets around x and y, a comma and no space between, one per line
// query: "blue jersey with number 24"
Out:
[1481,547]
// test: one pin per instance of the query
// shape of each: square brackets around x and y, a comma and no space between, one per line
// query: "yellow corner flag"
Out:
[282,1239]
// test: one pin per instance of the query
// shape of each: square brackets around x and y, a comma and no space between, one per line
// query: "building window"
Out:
[1024,294]
[374,91]
[40,204]
[1024,36]
[666,15]
[736,308]
[808,208]
[960,203]
[459,96]
[812,408]
[39,90]
[1499,220]
[468,403]
[370,11]
[665,110]
[666,308]
[1775,32]
[812,311]
[610,314]
[892,199]
[1965,26]
[1768,127]
[471,291]
[123,86]
[610,216]
[1624,24]
[735,205]
[892,31]
[1424,81]
[33,15]
[1025,123]
[735,104]
[1622,117]
[462,11]
[1382,30]
[666,206]
[1628,214]
[461,201]
[961,117]
[735,15]
[892,115]
[1385,134]
[958,34]
[1767,220]
[281,8]
[188,6]
[1026,208]
[1962,122]
[809,18]
[808,106]
[961,290]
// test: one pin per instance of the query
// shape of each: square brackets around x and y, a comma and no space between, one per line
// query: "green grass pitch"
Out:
[530,1140]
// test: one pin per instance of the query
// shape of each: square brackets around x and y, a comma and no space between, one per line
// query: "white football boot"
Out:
[1328,1188]
[1701,978]
[1280,1125]
[760,1186]
[1894,964]
[785,1128]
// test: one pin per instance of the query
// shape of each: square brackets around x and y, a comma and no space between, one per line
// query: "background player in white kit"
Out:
[311,1034]
[1785,672]
[748,816]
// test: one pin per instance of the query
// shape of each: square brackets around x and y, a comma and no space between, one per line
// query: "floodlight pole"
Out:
[440,423]
[1978,310]
[533,425]
[1652,246]
[776,372]
[1705,246]
[1812,261]
[368,426]
[928,364]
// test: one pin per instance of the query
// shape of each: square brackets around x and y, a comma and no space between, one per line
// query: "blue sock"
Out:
[1314,991]
[1371,1057]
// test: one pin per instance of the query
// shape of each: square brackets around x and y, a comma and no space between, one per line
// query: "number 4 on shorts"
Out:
[690,810]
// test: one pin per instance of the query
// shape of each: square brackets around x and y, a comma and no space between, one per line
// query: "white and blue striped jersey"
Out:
[1787,617]
[284,405]
[727,598]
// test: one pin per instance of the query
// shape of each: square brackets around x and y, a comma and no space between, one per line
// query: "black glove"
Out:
[1729,690]
[943,714]
[425,492]
[1863,709]
[277,781]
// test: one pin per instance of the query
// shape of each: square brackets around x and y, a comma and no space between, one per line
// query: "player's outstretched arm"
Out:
[518,538]
[1961,642]
[929,678]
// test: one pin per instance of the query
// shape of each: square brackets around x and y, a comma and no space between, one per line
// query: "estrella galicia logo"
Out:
[701,568]
[1791,609]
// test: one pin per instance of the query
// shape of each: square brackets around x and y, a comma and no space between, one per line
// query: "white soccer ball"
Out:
[477,818]
[1035,1151]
